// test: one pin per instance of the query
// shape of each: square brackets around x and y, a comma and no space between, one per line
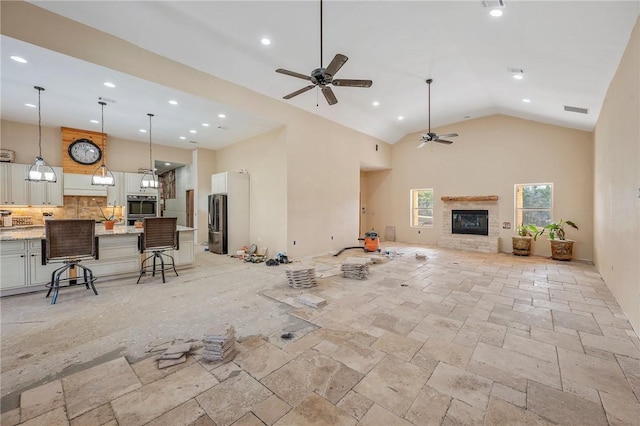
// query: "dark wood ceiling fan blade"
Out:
[293,74]
[297,92]
[352,83]
[329,96]
[448,135]
[443,141]
[335,65]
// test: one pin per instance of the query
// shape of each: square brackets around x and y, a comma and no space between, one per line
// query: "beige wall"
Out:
[617,184]
[490,156]
[264,158]
[203,166]
[123,155]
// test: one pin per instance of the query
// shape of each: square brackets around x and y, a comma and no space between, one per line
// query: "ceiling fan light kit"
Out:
[323,77]
[40,170]
[430,136]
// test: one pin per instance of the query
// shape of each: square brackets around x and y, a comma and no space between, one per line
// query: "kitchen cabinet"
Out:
[13,264]
[219,183]
[133,185]
[47,194]
[116,194]
[80,185]
[13,186]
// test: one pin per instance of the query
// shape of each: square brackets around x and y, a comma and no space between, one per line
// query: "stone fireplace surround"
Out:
[478,243]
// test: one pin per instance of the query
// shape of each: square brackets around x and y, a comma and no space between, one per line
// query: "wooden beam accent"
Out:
[68,136]
[469,198]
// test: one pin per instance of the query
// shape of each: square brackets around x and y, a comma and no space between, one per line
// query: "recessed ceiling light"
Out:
[193,131]
[109,84]
[172,102]
[19,59]
[205,124]
[30,105]
[222,115]
[496,13]
[95,121]
[167,164]
[400,117]
[182,138]
[518,76]
[526,101]
[376,103]
[143,130]
[265,41]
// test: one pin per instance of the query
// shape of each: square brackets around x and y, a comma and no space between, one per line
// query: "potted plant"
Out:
[108,220]
[522,242]
[561,248]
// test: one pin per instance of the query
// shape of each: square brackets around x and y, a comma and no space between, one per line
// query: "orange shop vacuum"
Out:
[371,241]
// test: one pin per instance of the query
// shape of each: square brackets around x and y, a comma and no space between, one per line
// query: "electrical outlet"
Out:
[294,242]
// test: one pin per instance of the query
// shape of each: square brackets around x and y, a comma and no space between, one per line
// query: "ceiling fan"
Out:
[432,137]
[323,77]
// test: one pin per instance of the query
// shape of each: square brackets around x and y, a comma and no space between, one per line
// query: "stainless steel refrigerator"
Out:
[218,232]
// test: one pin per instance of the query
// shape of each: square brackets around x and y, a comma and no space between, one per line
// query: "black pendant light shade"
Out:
[103,176]
[40,170]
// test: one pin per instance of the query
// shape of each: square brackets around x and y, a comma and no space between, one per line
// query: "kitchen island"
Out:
[21,268]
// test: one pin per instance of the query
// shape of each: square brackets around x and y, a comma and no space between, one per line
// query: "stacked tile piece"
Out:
[312,300]
[219,343]
[301,276]
[355,267]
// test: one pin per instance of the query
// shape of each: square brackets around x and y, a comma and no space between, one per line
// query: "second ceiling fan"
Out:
[323,77]
[432,137]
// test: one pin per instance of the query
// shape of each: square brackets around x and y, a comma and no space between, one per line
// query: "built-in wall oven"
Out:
[141,206]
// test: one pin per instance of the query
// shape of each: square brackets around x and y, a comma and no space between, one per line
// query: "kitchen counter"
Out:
[37,232]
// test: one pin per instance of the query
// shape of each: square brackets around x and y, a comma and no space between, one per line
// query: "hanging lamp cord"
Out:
[40,89]
[150,161]
[102,104]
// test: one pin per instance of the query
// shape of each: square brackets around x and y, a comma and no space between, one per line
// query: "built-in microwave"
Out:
[141,206]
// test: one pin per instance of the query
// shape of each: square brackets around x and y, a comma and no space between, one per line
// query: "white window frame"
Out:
[413,212]
[518,210]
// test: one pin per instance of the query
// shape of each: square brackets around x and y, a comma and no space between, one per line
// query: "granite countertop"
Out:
[37,232]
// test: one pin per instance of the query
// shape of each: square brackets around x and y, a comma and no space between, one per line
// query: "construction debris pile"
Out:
[312,300]
[355,267]
[219,343]
[301,276]
[174,352]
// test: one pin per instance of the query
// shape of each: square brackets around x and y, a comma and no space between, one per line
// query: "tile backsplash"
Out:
[75,207]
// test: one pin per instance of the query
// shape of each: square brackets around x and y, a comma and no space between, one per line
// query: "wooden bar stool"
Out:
[69,241]
[159,236]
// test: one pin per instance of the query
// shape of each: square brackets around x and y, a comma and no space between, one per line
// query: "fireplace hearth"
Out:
[470,223]
[473,222]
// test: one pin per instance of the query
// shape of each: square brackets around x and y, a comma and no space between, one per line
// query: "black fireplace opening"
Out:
[474,222]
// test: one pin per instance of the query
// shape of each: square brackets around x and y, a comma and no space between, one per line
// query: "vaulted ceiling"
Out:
[568,52]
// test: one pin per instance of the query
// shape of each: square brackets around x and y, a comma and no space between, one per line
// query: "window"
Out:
[533,204]
[422,207]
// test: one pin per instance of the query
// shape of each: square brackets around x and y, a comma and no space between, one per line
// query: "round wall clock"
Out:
[84,151]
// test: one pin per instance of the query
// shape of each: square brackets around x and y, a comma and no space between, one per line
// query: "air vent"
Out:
[493,3]
[107,100]
[223,128]
[193,142]
[576,109]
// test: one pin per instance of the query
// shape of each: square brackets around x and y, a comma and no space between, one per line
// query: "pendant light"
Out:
[149,179]
[40,171]
[103,176]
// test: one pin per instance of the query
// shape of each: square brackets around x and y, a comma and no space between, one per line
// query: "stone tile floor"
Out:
[455,339]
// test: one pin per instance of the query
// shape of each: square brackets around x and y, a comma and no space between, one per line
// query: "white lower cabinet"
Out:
[21,261]
[13,268]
